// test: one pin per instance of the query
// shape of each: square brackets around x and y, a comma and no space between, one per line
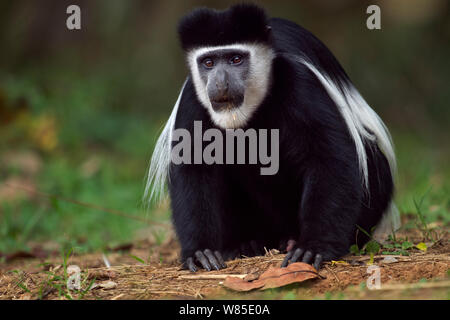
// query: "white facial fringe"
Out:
[257,84]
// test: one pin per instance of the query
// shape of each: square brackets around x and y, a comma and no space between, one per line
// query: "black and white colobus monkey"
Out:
[336,160]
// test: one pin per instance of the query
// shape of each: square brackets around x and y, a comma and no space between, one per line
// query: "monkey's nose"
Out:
[222,90]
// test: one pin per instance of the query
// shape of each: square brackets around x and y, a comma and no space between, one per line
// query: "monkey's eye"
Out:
[208,63]
[236,59]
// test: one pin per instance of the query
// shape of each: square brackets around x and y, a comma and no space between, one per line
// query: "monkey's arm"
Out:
[327,217]
[196,206]
[330,181]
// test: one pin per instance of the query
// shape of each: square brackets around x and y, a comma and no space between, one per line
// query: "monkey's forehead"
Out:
[242,23]
[217,50]
[255,50]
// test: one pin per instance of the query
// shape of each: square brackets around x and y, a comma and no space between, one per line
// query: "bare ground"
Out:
[421,275]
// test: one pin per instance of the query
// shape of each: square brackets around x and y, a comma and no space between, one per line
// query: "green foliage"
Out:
[291,295]
[407,245]
[20,280]
[393,246]
[354,249]
[372,247]
[137,259]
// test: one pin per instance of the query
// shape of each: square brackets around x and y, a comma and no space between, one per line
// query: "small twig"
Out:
[119,296]
[334,274]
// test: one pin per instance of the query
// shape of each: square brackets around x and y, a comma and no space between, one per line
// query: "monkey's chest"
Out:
[267,195]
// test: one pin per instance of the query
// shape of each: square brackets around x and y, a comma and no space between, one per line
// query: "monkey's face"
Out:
[224,73]
[231,81]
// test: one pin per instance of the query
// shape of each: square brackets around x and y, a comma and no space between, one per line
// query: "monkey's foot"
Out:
[300,255]
[207,259]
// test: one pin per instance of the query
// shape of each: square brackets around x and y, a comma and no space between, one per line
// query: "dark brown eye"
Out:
[208,63]
[236,60]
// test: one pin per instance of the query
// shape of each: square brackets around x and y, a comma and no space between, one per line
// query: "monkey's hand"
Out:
[214,260]
[207,259]
[299,254]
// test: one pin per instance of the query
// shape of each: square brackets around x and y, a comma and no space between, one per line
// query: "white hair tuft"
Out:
[160,162]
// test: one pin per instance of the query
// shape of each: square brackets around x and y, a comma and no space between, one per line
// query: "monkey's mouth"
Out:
[225,104]
[222,105]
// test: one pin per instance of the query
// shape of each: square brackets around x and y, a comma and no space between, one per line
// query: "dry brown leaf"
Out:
[239,284]
[274,278]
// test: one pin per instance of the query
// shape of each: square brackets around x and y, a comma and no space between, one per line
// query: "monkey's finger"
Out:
[297,254]
[307,257]
[317,261]
[190,264]
[290,245]
[286,259]
[220,259]
[212,259]
[202,259]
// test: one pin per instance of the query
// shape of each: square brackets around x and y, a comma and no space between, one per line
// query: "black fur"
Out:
[317,197]
[240,23]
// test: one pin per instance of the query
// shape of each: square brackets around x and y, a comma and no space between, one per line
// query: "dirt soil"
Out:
[421,275]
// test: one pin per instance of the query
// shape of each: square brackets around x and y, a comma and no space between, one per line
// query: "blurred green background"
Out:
[80,110]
